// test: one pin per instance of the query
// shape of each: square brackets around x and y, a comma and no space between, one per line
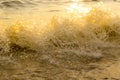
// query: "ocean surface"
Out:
[81,27]
[46,35]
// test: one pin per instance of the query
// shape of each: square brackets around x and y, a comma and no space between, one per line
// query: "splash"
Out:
[86,35]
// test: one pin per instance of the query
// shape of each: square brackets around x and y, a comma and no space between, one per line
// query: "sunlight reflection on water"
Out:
[78,8]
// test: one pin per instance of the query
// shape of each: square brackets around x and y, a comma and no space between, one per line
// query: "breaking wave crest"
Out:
[86,35]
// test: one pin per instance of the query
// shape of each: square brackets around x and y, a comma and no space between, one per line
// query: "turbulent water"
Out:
[59,26]
[47,26]
[46,37]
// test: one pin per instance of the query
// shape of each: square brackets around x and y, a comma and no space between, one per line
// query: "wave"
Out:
[15,3]
[26,3]
[86,36]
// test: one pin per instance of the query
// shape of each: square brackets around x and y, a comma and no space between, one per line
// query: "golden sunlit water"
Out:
[59,39]
[77,8]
